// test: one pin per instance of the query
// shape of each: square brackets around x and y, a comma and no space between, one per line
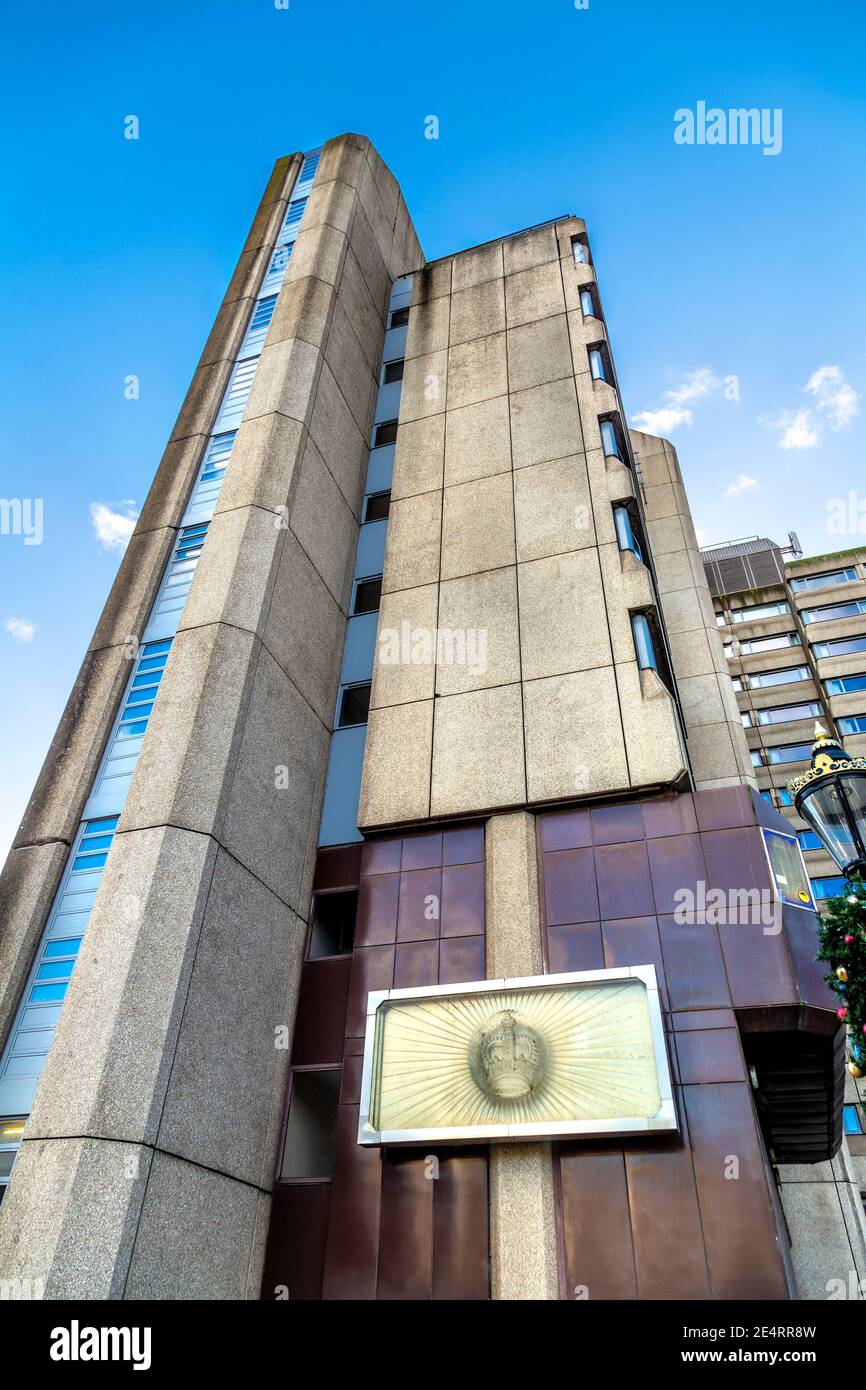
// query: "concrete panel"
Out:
[477,526]
[534,294]
[324,524]
[477,311]
[27,885]
[574,738]
[480,611]
[477,370]
[227,1067]
[538,352]
[278,783]
[563,623]
[425,384]
[419,458]
[553,509]
[412,553]
[195,1237]
[478,442]
[264,464]
[55,807]
[395,785]
[70,1217]
[405,648]
[545,423]
[478,751]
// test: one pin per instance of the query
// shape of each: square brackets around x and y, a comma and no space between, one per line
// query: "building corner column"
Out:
[523,1242]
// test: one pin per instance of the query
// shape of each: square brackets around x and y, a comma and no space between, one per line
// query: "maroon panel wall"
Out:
[690,1216]
[390,1224]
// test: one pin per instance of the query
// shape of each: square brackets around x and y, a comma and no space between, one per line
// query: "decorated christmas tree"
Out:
[842,940]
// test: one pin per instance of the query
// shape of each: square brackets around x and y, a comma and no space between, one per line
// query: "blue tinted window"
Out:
[91,842]
[68,947]
[831,887]
[44,994]
[89,861]
[55,970]
[808,839]
[841,685]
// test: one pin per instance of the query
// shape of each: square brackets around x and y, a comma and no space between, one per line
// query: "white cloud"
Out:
[675,412]
[834,397]
[21,629]
[662,421]
[742,483]
[696,385]
[835,401]
[112,529]
[798,428]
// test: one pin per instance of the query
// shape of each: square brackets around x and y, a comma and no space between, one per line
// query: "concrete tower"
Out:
[410,678]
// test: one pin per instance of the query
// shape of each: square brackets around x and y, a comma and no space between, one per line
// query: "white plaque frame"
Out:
[664,1121]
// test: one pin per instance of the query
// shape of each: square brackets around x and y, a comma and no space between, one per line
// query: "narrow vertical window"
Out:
[610,440]
[625,536]
[643,643]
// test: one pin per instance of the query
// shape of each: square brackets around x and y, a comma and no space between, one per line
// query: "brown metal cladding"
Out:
[669,1256]
[296,1242]
[352,1248]
[599,1256]
[394,1229]
[460,1226]
[405,1265]
[320,1024]
[740,1234]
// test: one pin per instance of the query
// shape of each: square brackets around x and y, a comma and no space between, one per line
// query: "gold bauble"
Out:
[855,1071]
[842,974]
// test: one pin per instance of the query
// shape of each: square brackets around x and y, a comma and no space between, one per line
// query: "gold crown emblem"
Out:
[507,1057]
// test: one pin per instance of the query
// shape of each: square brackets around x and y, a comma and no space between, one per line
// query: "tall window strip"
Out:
[345,760]
[26,1048]
[38,1013]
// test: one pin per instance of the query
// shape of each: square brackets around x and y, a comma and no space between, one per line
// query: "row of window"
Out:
[827,612]
[789,675]
[838,646]
[808,709]
[802,752]
[339,813]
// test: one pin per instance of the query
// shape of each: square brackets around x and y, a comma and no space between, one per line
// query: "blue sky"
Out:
[715,262]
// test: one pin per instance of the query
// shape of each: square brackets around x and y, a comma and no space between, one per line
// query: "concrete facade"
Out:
[502,530]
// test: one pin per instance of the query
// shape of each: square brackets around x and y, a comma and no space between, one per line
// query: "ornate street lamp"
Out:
[831,796]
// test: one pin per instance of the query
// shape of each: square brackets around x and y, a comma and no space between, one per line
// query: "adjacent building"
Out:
[410,680]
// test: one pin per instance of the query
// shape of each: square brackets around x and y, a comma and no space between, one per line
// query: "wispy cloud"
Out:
[21,629]
[836,403]
[664,420]
[742,483]
[834,397]
[113,529]
[676,412]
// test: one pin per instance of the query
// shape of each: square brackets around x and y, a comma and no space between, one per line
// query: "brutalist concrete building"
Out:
[344,952]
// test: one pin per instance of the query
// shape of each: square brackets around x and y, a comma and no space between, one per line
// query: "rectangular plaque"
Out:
[547,1056]
[788,868]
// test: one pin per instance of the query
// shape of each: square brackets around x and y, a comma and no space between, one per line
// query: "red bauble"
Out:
[848,939]
[842,1013]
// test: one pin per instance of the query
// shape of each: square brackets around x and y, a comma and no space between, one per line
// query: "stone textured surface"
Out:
[716,741]
[523,1255]
[502,532]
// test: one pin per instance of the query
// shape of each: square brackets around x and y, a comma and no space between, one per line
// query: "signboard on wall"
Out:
[501,1060]
[788,868]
